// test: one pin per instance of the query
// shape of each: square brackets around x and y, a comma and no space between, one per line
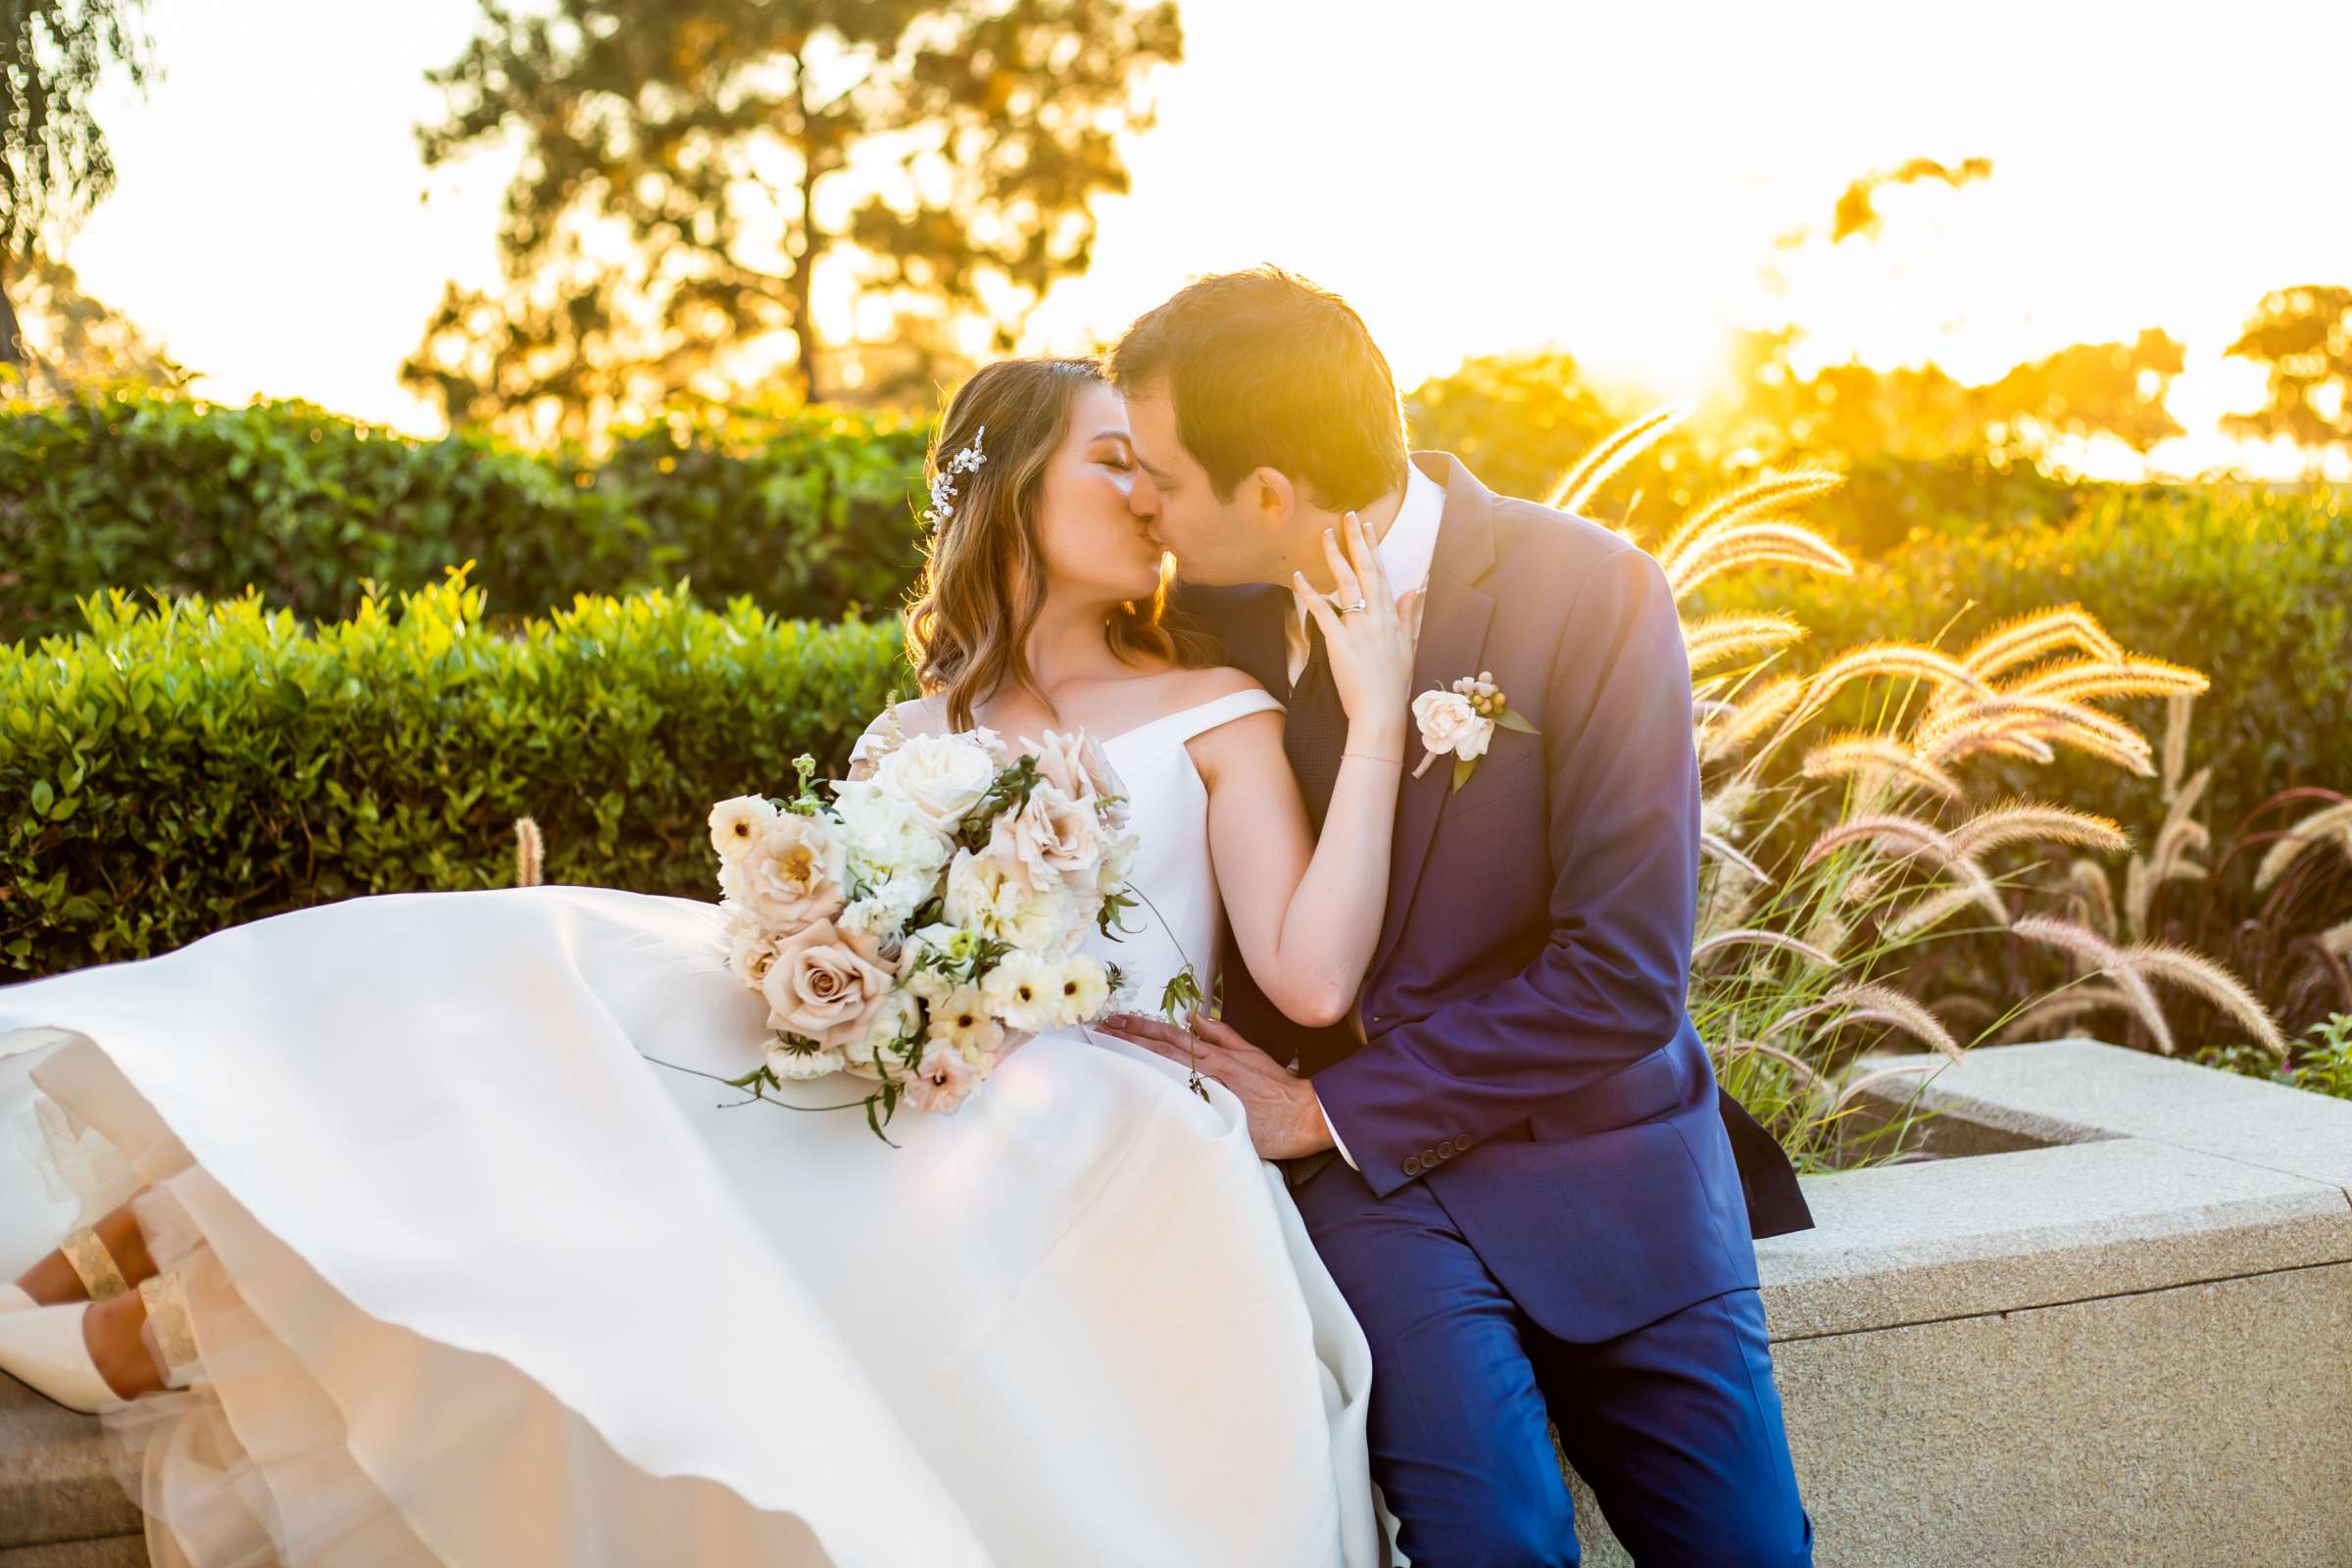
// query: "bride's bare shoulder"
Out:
[1190,688]
[919,715]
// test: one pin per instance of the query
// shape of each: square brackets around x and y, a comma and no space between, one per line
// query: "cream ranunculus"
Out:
[1081,990]
[751,948]
[1024,990]
[823,985]
[992,895]
[940,776]
[738,824]
[1051,837]
[793,876]
[963,1019]
[1450,725]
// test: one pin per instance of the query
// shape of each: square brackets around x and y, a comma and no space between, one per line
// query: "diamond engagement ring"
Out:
[1350,609]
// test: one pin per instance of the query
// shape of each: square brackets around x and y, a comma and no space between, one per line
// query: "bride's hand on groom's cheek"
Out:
[1286,1120]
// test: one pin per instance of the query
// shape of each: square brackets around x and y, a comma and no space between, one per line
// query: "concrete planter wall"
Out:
[2122,1336]
[2127,1338]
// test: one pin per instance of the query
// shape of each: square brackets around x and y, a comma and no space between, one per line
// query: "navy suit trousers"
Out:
[1676,1426]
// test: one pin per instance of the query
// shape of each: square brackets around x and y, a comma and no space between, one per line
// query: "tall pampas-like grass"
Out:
[1848,855]
[1573,490]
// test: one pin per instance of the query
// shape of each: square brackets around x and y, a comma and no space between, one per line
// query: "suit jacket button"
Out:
[1412,1165]
[1429,1157]
[1445,1150]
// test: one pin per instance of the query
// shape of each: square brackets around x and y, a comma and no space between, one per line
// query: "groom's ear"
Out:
[1268,499]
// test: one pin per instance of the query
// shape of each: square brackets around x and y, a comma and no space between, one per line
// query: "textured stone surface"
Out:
[2071,1090]
[2191,1426]
[1914,1243]
[109,1551]
[54,1481]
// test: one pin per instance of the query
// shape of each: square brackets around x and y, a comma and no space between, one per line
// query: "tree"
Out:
[2303,338]
[55,165]
[695,171]
[1518,421]
[72,338]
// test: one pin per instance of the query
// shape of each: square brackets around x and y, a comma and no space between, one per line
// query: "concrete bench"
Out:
[2123,1334]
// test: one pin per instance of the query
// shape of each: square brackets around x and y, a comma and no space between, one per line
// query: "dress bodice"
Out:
[1181,919]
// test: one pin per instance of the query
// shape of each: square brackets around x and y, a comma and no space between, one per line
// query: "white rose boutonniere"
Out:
[1460,723]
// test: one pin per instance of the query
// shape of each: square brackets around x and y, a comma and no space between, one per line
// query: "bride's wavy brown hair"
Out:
[984,573]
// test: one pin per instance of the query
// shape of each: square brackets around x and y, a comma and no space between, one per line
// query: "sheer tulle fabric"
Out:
[471,1283]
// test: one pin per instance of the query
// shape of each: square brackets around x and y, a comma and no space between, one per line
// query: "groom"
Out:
[1514,1157]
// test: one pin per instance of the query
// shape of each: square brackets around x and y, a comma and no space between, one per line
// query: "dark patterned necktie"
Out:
[1316,731]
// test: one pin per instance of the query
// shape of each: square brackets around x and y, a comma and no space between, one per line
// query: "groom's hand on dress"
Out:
[1286,1120]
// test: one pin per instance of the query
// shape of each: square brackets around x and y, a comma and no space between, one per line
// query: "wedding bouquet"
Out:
[919,927]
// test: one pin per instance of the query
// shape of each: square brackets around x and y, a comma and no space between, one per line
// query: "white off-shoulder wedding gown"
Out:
[473,1283]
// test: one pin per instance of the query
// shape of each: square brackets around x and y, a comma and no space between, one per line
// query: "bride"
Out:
[416,1228]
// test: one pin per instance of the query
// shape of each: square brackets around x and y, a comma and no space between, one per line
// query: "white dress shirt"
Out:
[1405,553]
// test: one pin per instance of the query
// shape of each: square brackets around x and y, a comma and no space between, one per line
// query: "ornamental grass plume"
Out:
[1855,878]
[530,852]
[1575,489]
[1713,639]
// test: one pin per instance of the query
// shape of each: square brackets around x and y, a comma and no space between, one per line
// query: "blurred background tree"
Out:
[698,175]
[55,165]
[69,338]
[2303,338]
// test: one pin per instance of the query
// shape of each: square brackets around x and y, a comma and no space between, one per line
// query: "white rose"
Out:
[799,1063]
[940,776]
[1448,723]
[739,823]
[896,1016]
[1051,837]
[886,835]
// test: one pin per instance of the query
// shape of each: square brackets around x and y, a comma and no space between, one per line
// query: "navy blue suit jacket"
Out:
[1528,1053]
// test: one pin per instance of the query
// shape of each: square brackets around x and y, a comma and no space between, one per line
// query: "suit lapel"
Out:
[1454,630]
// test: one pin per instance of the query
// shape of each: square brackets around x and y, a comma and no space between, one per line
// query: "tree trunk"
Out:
[12,347]
[804,321]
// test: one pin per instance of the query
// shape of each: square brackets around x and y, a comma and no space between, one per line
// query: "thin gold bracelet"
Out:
[1375,756]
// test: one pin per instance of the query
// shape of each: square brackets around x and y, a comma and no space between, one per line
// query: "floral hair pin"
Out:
[943,483]
[1460,723]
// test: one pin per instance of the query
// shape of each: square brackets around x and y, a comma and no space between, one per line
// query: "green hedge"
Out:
[2254,588]
[806,510]
[177,769]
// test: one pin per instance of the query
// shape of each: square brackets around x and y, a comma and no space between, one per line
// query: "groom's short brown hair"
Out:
[1268,370]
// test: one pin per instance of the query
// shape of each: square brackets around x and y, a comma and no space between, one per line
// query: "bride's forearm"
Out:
[1333,921]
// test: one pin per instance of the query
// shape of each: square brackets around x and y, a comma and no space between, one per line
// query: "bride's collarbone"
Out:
[1104,705]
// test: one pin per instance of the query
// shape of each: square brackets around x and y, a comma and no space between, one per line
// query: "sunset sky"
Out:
[1479,175]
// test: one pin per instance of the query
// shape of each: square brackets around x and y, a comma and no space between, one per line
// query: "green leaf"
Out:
[43,796]
[1511,720]
[1461,770]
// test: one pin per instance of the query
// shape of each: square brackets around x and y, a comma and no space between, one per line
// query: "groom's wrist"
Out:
[1330,1131]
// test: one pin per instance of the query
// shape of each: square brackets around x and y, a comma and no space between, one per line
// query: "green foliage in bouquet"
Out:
[177,769]
[805,509]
